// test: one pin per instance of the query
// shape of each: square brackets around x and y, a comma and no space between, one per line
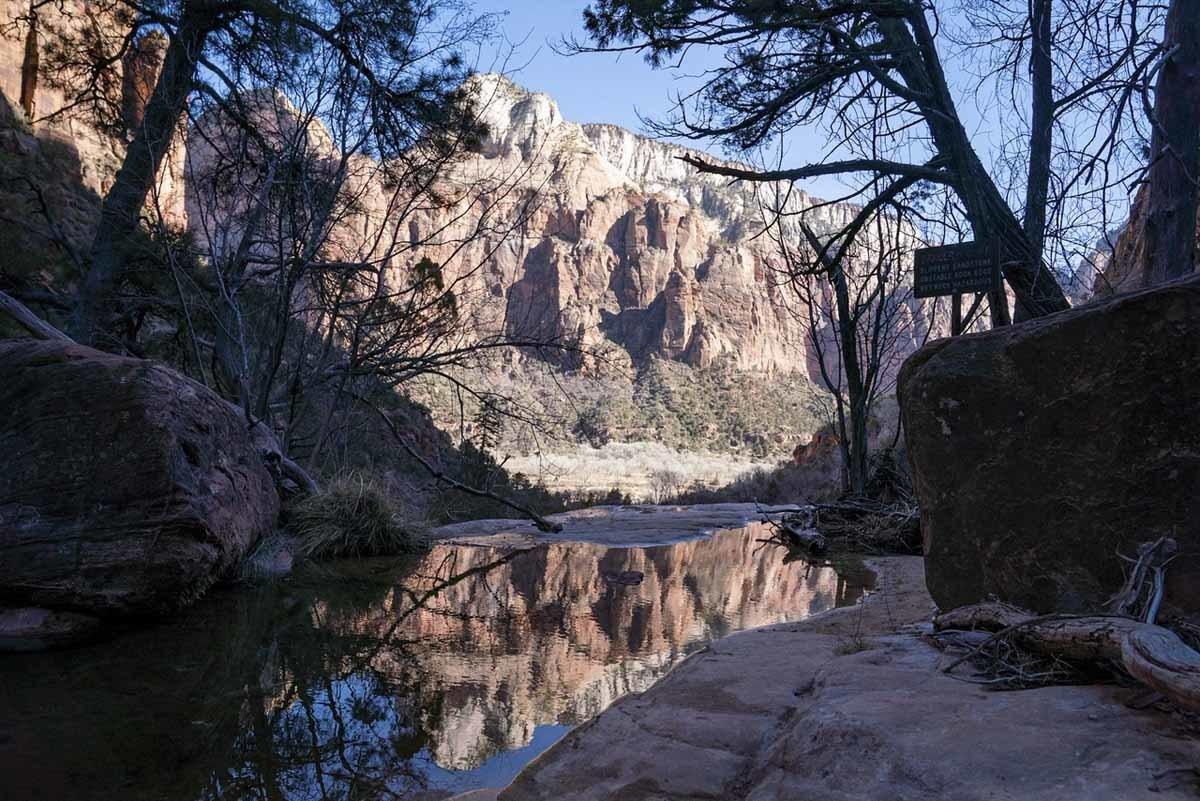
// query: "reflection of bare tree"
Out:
[329,716]
[382,680]
[547,639]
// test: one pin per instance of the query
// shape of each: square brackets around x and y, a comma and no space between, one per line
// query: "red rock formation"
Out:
[127,489]
[624,245]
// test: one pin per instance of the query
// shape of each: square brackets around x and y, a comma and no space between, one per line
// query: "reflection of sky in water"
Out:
[386,680]
[497,771]
[354,721]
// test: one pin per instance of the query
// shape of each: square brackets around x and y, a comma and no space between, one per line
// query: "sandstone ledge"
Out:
[776,713]
[641,525]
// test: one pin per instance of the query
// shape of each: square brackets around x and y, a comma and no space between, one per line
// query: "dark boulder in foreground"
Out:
[1042,451]
[126,489]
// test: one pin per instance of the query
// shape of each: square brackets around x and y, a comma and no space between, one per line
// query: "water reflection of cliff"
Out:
[557,634]
[386,680]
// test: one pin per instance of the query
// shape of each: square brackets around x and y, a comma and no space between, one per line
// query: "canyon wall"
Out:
[58,158]
[619,246]
[585,236]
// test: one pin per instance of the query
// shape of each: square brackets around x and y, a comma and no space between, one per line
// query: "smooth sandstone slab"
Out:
[776,714]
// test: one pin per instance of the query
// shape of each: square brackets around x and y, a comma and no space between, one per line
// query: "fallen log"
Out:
[1153,655]
[809,539]
[20,314]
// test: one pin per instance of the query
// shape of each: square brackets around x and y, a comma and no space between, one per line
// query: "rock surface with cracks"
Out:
[1042,453]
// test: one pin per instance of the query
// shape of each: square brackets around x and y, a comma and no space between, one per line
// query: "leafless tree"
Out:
[855,301]
[400,61]
[337,217]
[1173,178]
[1068,75]
[1067,78]
[325,279]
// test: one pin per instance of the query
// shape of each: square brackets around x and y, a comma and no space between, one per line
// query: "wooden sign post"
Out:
[955,270]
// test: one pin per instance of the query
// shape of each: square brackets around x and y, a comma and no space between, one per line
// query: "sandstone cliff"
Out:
[622,247]
[585,235]
[58,158]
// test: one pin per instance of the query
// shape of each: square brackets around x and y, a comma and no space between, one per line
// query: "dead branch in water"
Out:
[795,532]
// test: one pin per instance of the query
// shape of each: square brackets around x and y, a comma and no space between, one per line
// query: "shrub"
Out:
[354,517]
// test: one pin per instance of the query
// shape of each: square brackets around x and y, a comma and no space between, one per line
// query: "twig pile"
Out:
[857,526]
[1002,664]
[866,526]
[1025,650]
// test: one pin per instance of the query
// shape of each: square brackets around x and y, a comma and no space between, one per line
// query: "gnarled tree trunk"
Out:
[29,67]
[1174,174]
[1151,654]
[97,318]
[1037,291]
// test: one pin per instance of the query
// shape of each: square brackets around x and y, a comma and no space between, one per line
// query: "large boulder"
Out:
[1043,451]
[126,489]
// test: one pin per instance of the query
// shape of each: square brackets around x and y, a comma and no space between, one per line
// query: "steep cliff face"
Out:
[585,235]
[622,247]
[57,160]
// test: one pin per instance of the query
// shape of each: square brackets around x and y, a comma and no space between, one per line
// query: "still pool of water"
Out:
[385,679]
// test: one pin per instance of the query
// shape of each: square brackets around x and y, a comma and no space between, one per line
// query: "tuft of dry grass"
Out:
[354,517]
[853,644]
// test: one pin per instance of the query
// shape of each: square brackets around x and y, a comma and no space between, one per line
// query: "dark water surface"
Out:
[384,679]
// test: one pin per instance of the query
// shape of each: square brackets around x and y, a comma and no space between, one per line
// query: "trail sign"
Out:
[956,269]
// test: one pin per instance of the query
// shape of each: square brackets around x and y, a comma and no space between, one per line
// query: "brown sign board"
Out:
[956,269]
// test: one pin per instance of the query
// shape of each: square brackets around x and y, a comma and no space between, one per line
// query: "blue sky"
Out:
[591,87]
[603,87]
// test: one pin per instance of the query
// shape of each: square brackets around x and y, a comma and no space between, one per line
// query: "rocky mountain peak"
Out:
[530,125]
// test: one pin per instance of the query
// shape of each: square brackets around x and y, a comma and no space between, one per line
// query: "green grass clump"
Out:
[354,517]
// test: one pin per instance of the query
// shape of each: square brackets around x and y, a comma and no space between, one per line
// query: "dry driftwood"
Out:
[796,536]
[794,531]
[1153,655]
[857,525]
[870,526]
[1142,593]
